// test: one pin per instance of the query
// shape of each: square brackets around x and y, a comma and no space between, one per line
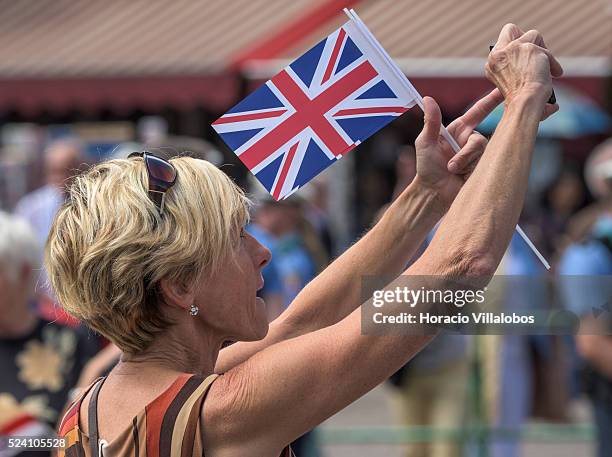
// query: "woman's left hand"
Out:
[438,167]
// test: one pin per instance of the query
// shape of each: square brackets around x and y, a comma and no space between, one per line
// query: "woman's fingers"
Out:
[432,123]
[532,36]
[482,108]
[462,127]
[509,32]
[466,159]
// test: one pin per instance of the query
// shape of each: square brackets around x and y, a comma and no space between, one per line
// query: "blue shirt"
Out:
[295,265]
[270,273]
[39,209]
[587,285]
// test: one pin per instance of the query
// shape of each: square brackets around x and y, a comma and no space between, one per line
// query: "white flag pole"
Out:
[402,77]
[408,85]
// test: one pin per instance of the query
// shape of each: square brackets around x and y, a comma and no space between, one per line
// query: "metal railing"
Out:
[397,435]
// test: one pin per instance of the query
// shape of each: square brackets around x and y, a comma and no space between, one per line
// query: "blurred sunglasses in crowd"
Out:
[162,176]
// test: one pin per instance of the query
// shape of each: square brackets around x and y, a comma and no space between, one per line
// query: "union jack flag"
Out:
[313,112]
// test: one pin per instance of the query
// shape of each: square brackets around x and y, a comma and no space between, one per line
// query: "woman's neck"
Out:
[176,351]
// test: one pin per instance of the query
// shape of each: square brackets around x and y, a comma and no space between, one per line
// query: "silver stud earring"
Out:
[194,310]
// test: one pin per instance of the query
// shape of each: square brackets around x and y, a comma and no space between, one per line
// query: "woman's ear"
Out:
[177,293]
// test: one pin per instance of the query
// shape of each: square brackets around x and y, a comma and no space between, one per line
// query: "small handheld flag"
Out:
[317,109]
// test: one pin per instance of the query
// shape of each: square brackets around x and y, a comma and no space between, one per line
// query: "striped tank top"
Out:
[169,426]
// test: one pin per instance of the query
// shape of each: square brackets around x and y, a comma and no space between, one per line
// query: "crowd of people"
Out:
[45,359]
[48,357]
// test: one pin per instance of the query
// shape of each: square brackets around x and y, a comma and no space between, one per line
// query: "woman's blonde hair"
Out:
[109,247]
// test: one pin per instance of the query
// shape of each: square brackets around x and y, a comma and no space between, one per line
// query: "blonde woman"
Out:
[153,255]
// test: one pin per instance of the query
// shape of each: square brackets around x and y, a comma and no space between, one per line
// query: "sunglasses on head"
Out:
[161,174]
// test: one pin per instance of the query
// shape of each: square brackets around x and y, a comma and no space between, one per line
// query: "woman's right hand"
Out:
[520,64]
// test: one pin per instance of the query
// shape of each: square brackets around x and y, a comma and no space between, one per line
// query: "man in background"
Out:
[38,208]
[41,361]
[297,256]
[433,387]
[589,255]
[296,251]
[272,291]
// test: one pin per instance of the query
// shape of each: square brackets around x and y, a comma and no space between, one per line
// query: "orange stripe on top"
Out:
[155,414]
[71,418]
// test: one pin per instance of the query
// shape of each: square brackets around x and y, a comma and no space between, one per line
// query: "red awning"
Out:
[61,54]
[118,93]
[451,38]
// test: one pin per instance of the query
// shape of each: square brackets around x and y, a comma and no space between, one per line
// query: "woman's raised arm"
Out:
[288,388]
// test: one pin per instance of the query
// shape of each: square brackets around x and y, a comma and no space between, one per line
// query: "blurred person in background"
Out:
[433,390]
[517,355]
[299,253]
[272,291]
[560,201]
[433,386]
[590,254]
[525,370]
[154,136]
[598,177]
[316,212]
[41,360]
[294,246]
[62,159]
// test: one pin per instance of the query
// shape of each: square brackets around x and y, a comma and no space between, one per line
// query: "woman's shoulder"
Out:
[220,417]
